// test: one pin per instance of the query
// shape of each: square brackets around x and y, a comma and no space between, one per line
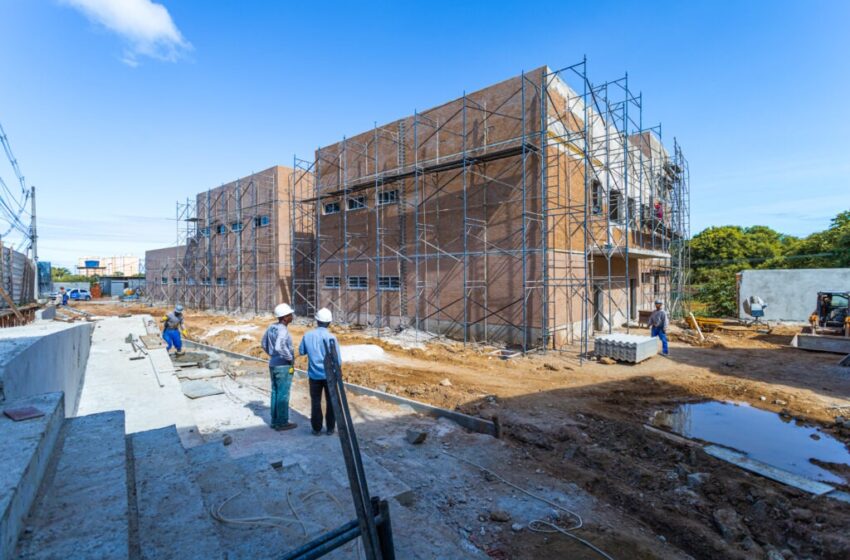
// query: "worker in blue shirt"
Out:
[63,295]
[277,342]
[172,327]
[659,322]
[313,346]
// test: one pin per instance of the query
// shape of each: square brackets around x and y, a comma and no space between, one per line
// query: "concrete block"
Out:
[82,509]
[25,451]
[173,522]
[43,358]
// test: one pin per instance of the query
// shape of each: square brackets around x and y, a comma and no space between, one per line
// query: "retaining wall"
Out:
[44,357]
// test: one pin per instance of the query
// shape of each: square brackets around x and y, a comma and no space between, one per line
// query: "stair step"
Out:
[172,519]
[25,451]
[224,479]
[82,508]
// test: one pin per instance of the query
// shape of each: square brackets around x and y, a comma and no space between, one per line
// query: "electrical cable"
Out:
[538,524]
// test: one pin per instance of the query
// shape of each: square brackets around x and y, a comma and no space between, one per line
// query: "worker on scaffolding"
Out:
[172,328]
[277,343]
[658,323]
[313,345]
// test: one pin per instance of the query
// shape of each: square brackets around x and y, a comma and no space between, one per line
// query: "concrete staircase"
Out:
[82,488]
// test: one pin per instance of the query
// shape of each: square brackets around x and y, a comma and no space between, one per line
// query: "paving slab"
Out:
[82,509]
[173,521]
[199,388]
[25,451]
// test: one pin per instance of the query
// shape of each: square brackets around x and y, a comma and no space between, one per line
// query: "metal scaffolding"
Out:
[230,253]
[529,213]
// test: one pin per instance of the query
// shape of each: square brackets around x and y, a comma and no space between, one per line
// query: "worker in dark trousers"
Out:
[658,323]
[172,327]
[313,346]
[277,342]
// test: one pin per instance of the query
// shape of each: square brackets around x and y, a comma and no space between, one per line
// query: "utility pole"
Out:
[34,242]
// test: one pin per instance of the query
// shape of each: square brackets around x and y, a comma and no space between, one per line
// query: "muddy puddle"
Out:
[762,435]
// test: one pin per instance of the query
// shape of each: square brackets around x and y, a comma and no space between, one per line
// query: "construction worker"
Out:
[63,295]
[313,346]
[658,323]
[277,342]
[172,327]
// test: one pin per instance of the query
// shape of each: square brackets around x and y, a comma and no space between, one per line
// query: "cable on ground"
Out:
[541,525]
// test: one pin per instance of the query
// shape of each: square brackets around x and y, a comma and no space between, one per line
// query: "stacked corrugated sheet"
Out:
[625,347]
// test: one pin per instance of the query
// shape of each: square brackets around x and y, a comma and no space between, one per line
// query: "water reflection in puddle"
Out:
[762,435]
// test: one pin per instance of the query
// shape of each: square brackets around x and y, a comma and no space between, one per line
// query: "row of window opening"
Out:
[353,203]
[235,227]
[385,283]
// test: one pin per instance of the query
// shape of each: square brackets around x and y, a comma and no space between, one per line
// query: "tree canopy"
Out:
[719,252]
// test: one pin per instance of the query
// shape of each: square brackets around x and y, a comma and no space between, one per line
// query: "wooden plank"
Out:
[768,471]
[11,303]
[152,341]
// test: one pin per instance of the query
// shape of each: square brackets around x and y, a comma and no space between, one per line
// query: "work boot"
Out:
[284,427]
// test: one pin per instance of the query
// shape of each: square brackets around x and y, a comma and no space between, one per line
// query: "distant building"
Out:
[237,252]
[108,266]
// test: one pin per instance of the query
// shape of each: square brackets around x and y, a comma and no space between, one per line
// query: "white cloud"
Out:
[145,25]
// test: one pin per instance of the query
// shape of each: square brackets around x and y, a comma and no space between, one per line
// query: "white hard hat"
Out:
[283,310]
[324,315]
[659,302]
[178,309]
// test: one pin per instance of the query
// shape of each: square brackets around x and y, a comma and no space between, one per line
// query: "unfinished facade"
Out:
[233,250]
[528,212]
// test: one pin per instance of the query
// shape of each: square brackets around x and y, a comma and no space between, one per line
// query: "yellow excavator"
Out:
[832,314]
[829,326]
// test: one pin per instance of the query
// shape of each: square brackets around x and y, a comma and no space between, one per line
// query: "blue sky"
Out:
[117,108]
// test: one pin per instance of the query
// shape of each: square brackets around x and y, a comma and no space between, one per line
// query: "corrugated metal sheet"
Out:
[17,274]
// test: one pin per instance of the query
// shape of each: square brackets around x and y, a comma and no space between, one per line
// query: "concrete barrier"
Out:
[43,358]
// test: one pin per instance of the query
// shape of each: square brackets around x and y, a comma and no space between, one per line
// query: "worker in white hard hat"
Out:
[172,328]
[313,346]
[277,342]
[658,324]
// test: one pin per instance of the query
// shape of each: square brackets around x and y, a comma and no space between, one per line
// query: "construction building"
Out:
[533,212]
[232,251]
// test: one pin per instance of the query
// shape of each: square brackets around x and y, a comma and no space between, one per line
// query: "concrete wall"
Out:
[791,295]
[44,357]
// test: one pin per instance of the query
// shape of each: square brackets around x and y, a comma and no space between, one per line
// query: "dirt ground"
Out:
[585,424]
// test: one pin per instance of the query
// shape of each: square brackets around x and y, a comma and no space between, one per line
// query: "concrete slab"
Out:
[309,497]
[113,382]
[200,374]
[83,509]
[768,471]
[173,522]
[223,485]
[822,343]
[25,451]
[243,412]
[199,388]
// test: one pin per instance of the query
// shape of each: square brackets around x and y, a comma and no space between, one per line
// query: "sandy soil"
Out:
[585,425]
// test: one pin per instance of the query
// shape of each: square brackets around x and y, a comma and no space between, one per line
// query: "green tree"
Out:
[57,272]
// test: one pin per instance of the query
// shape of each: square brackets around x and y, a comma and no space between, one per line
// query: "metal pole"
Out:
[34,242]
[351,454]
